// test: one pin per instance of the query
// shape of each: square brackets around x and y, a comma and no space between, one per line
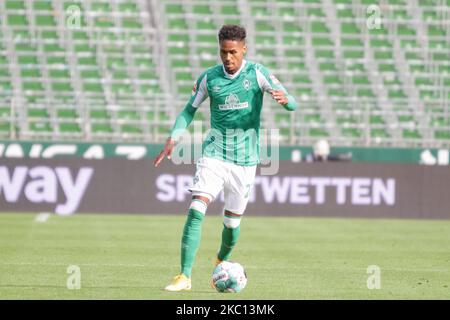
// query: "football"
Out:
[229,276]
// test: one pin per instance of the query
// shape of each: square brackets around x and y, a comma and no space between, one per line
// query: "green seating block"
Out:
[69,127]
[43,5]
[351,132]
[131,129]
[101,128]
[442,134]
[316,132]
[202,9]
[411,134]
[67,113]
[229,10]
[45,21]
[15,5]
[174,8]
[17,20]
[379,133]
[40,127]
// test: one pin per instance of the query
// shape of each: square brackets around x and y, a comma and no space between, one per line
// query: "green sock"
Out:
[229,239]
[190,241]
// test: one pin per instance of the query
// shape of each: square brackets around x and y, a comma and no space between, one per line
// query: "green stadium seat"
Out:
[174,8]
[353,54]
[178,23]
[345,13]
[62,87]
[229,10]
[318,133]
[315,12]
[40,127]
[45,21]
[290,27]
[411,134]
[396,94]
[442,134]
[260,11]
[379,133]
[319,27]
[349,28]
[263,26]
[351,132]
[67,113]
[377,119]
[202,9]
[17,20]
[30,73]
[184,37]
[131,129]
[15,5]
[324,41]
[128,7]
[286,12]
[71,127]
[32,86]
[101,128]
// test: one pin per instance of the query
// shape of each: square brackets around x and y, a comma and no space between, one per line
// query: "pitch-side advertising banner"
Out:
[72,186]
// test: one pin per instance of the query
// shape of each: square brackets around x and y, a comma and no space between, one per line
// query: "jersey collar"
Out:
[234,75]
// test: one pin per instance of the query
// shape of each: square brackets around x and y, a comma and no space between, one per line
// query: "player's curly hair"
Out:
[232,32]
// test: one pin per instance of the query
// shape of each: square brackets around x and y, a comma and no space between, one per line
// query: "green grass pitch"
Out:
[135,256]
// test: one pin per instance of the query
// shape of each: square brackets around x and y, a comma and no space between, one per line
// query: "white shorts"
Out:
[213,176]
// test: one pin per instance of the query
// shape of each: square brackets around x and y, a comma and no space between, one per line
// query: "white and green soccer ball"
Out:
[229,276]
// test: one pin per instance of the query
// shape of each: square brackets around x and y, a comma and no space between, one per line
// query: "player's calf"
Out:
[230,234]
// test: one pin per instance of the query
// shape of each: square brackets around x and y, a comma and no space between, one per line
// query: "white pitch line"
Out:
[42,217]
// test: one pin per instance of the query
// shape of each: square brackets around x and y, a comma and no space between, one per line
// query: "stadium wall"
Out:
[136,151]
[114,185]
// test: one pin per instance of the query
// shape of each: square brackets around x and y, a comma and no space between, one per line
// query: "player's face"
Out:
[232,53]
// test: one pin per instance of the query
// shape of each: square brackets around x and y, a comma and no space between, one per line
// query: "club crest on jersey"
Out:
[232,102]
[246,83]
[274,79]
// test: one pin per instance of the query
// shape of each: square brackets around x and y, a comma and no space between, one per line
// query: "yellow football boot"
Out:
[179,283]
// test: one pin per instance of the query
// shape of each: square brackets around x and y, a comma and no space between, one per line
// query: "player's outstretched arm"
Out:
[199,94]
[182,122]
[166,152]
[282,97]
[269,83]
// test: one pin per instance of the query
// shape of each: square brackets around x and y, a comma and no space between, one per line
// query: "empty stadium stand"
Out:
[364,72]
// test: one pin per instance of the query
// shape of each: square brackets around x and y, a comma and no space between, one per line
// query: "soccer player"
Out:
[230,152]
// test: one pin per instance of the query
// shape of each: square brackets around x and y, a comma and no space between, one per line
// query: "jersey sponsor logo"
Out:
[274,79]
[194,89]
[246,83]
[232,102]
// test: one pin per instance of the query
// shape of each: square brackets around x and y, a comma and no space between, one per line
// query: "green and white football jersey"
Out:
[235,103]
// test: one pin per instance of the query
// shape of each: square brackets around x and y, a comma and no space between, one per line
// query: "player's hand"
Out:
[167,151]
[279,96]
